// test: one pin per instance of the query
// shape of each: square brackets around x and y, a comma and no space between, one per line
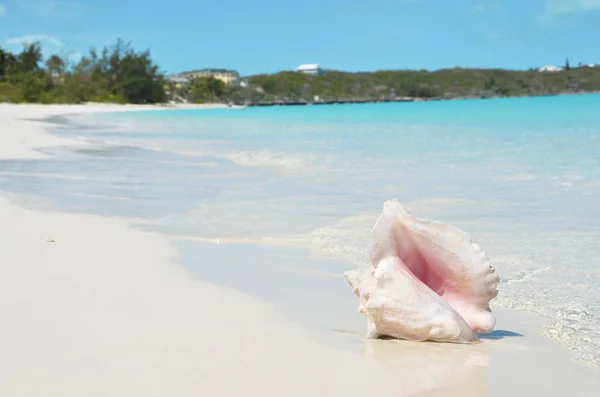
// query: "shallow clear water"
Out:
[522,176]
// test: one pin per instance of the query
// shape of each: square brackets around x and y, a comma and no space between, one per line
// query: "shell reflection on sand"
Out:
[432,369]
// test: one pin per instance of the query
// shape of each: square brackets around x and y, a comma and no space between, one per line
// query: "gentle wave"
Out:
[267,159]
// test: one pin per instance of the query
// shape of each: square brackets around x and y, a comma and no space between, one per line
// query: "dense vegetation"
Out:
[447,83]
[115,74]
[120,74]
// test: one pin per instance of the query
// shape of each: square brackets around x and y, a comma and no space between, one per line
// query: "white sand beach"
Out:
[92,307]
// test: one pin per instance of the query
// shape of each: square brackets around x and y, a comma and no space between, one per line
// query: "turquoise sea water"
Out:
[522,176]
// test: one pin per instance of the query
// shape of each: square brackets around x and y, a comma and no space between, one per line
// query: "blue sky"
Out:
[264,36]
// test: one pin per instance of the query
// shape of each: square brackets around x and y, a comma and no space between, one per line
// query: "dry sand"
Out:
[92,307]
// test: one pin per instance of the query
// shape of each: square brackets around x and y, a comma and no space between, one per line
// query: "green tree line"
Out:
[442,84]
[120,74]
[116,73]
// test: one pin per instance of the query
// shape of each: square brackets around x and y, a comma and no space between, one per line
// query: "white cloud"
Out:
[554,7]
[2,9]
[50,46]
[48,40]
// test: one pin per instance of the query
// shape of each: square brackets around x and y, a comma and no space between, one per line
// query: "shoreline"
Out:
[97,321]
[349,101]
[90,320]
[105,310]
[28,141]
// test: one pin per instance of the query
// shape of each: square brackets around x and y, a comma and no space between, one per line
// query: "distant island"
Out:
[120,74]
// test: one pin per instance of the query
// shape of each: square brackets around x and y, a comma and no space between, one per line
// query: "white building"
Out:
[550,68]
[311,68]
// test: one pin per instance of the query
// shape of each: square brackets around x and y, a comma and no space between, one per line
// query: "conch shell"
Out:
[427,281]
